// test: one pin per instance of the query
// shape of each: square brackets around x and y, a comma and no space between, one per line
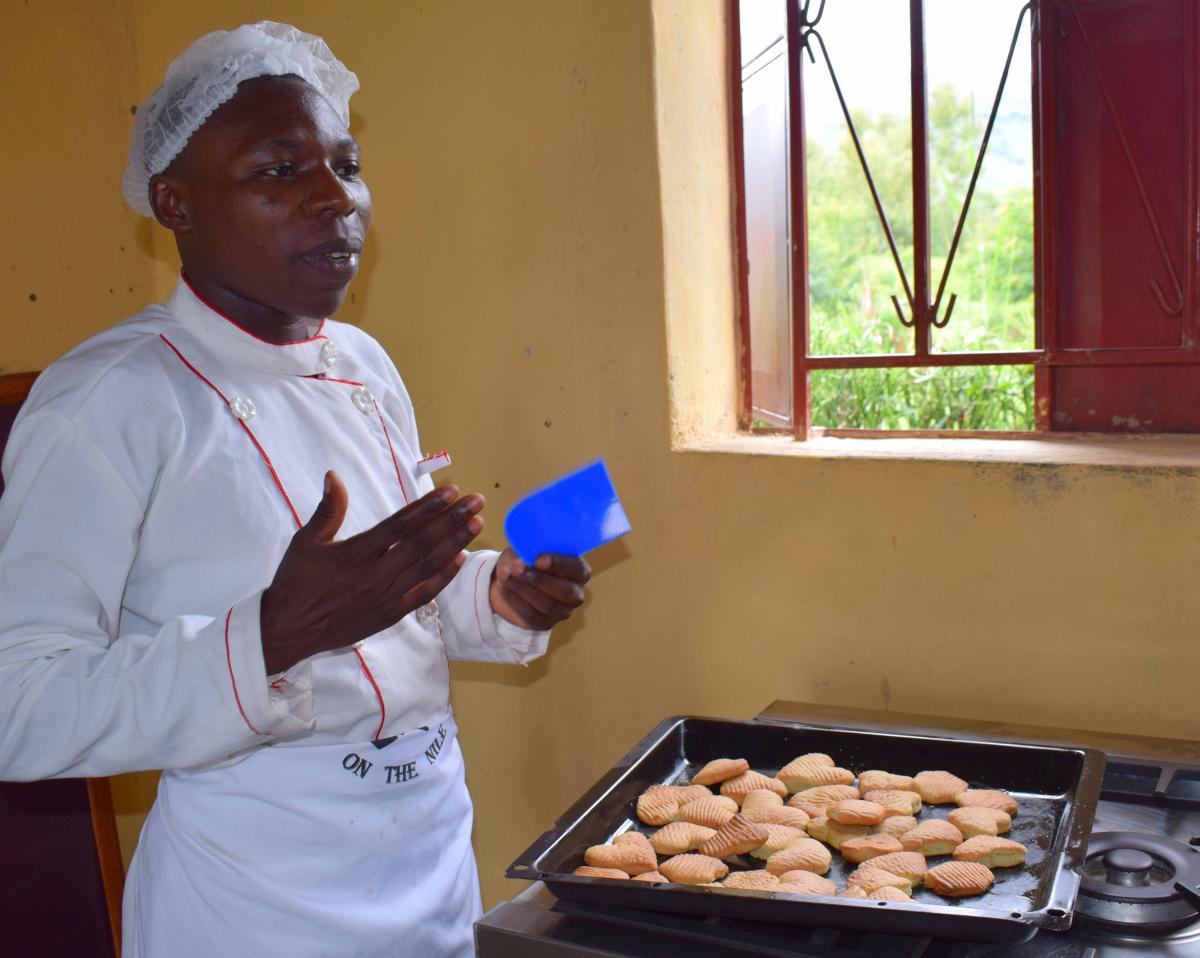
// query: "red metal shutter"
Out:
[1121,207]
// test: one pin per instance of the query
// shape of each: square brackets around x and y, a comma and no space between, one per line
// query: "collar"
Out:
[227,339]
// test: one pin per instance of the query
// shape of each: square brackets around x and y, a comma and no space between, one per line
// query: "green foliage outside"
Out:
[852,277]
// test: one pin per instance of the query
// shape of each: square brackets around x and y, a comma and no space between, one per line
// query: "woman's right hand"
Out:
[330,593]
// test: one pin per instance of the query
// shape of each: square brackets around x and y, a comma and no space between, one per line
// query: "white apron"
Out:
[345,851]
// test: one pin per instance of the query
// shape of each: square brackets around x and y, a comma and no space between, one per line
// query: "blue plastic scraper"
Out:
[570,516]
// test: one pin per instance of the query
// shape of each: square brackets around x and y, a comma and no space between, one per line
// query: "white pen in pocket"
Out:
[432,463]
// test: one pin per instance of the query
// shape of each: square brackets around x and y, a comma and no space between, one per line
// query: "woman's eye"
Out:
[350,170]
[281,169]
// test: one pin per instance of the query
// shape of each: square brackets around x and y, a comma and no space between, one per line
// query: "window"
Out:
[968,216]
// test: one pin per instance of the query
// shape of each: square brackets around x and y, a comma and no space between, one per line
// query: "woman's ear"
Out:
[169,205]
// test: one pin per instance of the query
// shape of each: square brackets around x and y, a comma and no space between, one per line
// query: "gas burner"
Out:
[1138,884]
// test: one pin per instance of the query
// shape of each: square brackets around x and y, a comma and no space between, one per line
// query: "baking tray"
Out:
[1057,788]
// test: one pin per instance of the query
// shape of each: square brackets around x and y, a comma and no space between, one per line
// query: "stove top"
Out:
[1150,802]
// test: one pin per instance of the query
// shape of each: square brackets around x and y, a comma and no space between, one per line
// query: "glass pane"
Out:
[764,123]
[939,397]
[966,46]
[761,23]
[852,275]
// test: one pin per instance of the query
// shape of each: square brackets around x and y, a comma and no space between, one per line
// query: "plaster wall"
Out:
[550,268]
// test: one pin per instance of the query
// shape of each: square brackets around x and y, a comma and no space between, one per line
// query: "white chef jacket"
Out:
[154,478]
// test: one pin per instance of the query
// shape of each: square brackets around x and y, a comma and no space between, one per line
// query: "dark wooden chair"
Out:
[62,876]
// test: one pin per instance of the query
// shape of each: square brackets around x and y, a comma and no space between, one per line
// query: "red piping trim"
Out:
[254,439]
[432,455]
[442,636]
[312,339]
[378,694]
[391,449]
[475,602]
[274,475]
[232,681]
[329,379]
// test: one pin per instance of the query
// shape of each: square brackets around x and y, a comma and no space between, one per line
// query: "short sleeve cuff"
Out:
[522,645]
[508,643]
[278,705]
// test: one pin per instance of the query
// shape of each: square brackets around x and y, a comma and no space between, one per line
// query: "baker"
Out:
[220,555]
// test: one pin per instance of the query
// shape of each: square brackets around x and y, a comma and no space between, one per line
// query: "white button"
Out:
[362,399]
[329,354]
[427,614]
[242,408]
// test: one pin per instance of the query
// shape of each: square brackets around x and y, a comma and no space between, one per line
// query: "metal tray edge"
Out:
[1055,915]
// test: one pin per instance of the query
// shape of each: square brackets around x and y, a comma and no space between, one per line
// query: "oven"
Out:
[1138,883]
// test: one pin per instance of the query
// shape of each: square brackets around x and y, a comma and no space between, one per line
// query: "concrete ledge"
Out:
[1130,452]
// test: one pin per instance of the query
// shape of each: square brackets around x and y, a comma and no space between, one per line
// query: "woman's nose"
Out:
[329,192]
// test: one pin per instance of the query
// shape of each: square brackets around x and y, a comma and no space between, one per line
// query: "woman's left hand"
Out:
[541,596]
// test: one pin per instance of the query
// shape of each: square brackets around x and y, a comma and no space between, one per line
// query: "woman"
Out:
[164,603]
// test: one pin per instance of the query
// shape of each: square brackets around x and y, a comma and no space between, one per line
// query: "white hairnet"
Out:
[207,74]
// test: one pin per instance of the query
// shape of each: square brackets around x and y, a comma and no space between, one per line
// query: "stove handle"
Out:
[1056,915]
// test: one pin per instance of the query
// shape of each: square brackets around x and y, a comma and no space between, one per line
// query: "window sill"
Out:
[1128,452]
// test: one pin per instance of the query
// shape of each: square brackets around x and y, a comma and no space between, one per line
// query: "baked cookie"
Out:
[778,838]
[875,780]
[935,836]
[680,837]
[651,876]
[855,811]
[815,800]
[887,893]
[938,788]
[868,879]
[858,850]
[690,793]
[591,871]
[779,815]
[800,882]
[633,838]
[959,879]
[974,820]
[758,880]
[736,837]
[897,801]
[992,852]
[895,825]
[633,859]
[818,828]
[719,770]
[802,773]
[711,812]
[816,758]
[837,833]
[741,786]
[657,805]
[693,869]
[910,865]
[987,798]
[760,799]
[807,854]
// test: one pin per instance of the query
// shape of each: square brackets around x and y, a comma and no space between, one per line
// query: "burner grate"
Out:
[1128,779]
[1139,883]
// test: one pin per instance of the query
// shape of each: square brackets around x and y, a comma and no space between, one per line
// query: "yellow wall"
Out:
[74,256]
[532,277]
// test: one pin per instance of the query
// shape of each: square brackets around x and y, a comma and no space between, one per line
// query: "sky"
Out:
[966,42]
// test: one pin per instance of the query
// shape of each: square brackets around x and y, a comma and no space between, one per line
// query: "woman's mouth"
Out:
[337,259]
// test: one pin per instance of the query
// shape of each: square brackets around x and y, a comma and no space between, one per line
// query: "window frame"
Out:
[1048,354]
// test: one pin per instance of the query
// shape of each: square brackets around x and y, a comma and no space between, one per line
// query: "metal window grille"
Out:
[1081,52]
